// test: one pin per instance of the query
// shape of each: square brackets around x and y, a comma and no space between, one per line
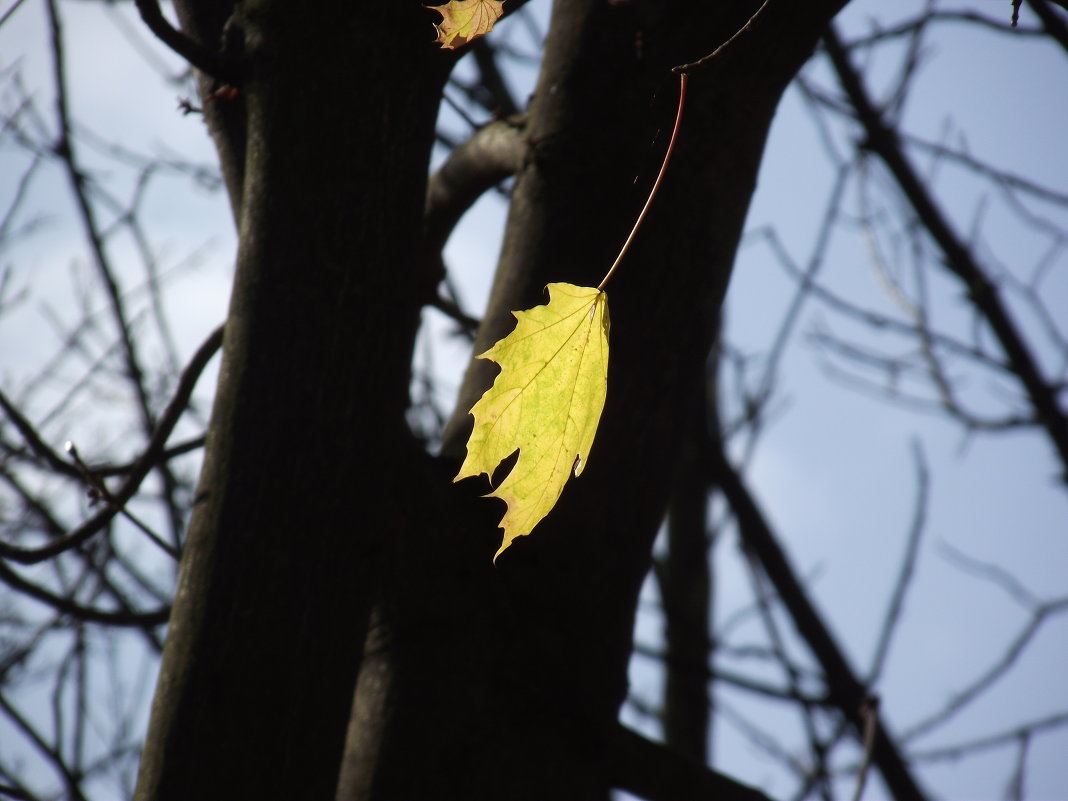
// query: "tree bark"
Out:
[685,579]
[485,682]
[308,447]
[315,501]
[206,22]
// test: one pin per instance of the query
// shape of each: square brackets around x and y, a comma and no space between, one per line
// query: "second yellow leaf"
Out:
[465,20]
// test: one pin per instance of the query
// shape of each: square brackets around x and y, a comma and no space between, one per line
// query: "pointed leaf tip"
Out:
[546,402]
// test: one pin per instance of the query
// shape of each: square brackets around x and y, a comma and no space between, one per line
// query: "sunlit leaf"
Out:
[546,403]
[463,21]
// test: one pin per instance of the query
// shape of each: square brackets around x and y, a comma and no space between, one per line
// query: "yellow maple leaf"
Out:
[465,20]
[546,403]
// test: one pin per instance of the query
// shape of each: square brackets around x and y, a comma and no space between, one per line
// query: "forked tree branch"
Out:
[657,773]
[138,471]
[77,611]
[1054,24]
[207,61]
[884,141]
[96,237]
[493,153]
[844,688]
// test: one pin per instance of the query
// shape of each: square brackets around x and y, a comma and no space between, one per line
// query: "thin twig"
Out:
[148,459]
[75,610]
[962,697]
[955,751]
[958,259]
[870,713]
[908,566]
[99,491]
[50,753]
[845,688]
[10,11]
[683,69]
[77,178]
[658,773]
[817,775]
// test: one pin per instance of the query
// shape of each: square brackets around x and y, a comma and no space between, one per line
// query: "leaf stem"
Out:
[656,184]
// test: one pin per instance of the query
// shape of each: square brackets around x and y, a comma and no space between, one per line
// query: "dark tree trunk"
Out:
[479,682]
[685,579]
[308,444]
[505,682]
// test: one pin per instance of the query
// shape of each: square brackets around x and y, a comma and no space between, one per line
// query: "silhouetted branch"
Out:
[1055,26]
[870,714]
[11,10]
[205,60]
[740,681]
[930,17]
[817,775]
[895,370]
[871,318]
[757,400]
[962,696]
[17,793]
[764,741]
[657,773]
[685,579]
[991,741]
[884,140]
[188,446]
[51,754]
[843,686]
[908,566]
[38,447]
[65,149]
[77,611]
[1002,178]
[148,459]
[492,80]
[995,574]
[493,153]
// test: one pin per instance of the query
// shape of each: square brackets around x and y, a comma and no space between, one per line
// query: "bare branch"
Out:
[1001,177]
[845,689]
[886,143]
[13,8]
[657,773]
[51,754]
[65,149]
[705,60]
[1055,26]
[930,17]
[817,775]
[963,696]
[998,740]
[77,611]
[870,715]
[494,152]
[148,459]
[908,566]
[493,80]
[205,60]
[995,574]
